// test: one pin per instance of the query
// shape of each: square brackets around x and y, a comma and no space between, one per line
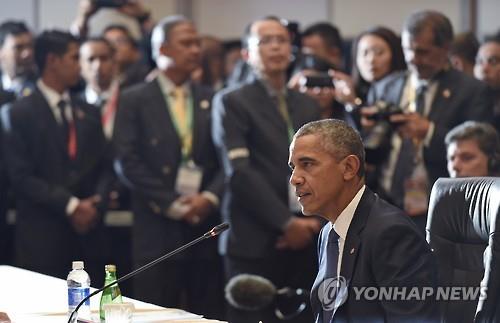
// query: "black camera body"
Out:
[378,141]
[385,111]
[322,80]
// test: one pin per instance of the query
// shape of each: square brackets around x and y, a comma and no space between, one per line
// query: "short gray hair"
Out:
[337,138]
[162,30]
[441,27]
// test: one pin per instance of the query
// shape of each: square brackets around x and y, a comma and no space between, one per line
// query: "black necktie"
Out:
[64,121]
[406,159]
[420,99]
[332,251]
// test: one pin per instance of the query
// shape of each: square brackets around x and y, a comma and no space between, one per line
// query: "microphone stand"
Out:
[210,234]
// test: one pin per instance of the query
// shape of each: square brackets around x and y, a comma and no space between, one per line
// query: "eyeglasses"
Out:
[491,60]
[268,40]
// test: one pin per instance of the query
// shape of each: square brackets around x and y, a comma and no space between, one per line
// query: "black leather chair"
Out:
[463,229]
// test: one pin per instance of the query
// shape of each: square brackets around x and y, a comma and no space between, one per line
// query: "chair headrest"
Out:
[464,209]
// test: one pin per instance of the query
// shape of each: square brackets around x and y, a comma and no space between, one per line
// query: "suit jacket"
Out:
[122,202]
[5,253]
[6,97]
[458,98]
[252,140]
[382,248]
[44,178]
[148,151]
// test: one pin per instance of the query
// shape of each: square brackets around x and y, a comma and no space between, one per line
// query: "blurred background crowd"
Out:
[123,138]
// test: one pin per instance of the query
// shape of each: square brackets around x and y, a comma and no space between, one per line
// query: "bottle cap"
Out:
[77,265]
[110,267]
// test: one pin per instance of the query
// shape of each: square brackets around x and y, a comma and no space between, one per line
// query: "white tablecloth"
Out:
[30,297]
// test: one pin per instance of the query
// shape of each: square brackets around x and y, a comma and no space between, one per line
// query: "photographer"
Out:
[434,98]
[132,57]
[131,8]
[315,77]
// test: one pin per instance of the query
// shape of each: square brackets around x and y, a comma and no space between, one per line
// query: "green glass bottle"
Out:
[111,294]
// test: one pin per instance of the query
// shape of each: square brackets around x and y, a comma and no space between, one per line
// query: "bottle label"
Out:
[75,296]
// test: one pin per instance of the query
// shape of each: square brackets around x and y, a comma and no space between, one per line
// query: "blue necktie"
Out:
[332,259]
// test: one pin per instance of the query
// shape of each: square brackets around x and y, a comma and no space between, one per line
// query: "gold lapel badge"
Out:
[26,91]
[204,104]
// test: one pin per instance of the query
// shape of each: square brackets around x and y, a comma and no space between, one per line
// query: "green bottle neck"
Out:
[110,277]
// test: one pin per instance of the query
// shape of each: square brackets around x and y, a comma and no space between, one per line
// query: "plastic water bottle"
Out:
[78,288]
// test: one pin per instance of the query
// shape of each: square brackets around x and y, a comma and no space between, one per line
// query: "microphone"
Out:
[254,293]
[215,231]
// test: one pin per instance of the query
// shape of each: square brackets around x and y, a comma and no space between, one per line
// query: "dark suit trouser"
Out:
[295,269]
[6,231]
[195,285]
[92,248]
[5,238]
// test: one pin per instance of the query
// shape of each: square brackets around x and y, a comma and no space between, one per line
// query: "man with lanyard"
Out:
[253,126]
[165,154]
[434,98]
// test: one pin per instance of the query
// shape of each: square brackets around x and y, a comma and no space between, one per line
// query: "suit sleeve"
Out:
[231,126]
[402,259]
[129,164]
[107,178]
[216,186]
[21,166]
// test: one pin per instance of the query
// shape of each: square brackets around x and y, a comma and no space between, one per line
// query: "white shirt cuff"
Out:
[72,205]
[211,197]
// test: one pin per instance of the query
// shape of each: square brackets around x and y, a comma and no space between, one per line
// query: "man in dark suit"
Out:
[253,125]
[434,98]
[17,79]
[54,148]
[102,90]
[101,85]
[165,154]
[367,242]
[16,58]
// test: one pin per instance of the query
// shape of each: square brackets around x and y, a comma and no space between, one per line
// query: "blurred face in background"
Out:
[466,159]
[423,56]
[373,58]
[315,45]
[487,68]
[96,60]
[269,47]
[183,48]
[16,55]
[231,57]
[125,52]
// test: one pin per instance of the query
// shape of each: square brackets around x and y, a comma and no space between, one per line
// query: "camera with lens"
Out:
[384,111]
[322,80]
[377,141]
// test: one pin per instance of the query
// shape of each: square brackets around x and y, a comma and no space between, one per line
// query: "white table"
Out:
[32,297]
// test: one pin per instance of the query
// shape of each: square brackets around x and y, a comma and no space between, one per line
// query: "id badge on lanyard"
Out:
[188,181]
